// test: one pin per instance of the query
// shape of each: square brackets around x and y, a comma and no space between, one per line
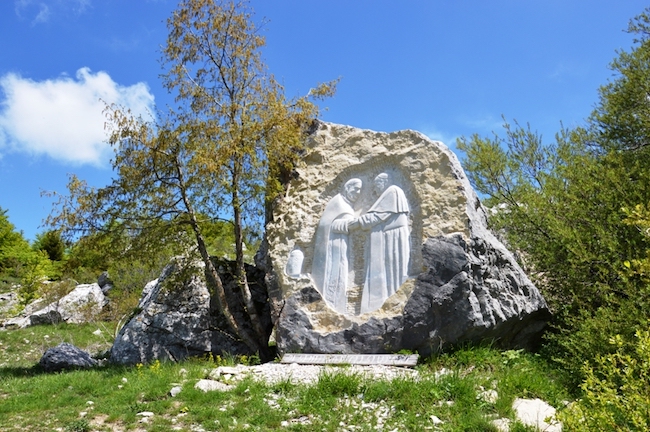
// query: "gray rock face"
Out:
[7,302]
[66,356]
[406,263]
[82,304]
[105,283]
[176,319]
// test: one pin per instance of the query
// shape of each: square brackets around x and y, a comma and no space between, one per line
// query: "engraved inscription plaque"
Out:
[353,359]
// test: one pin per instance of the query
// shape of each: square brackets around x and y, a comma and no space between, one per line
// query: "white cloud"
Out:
[43,14]
[40,11]
[63,118]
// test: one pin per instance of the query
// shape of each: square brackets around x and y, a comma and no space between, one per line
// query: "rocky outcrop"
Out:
[8,301]
[83,304]
[66,356]
[176,318]
[458,282]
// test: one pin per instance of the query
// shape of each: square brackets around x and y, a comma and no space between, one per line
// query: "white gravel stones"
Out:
[303,420]
[502,424]
[146,415]
[306,374]
[488,396]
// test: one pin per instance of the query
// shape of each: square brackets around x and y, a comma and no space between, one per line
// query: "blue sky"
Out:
[443,67]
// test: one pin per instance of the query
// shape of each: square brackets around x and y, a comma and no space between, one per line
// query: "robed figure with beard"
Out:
[331,250]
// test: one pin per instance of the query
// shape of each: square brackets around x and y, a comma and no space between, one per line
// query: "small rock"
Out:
[97,332]
[175,391]
[501,424]
[536,413]
[436,420]
[489,396]
[211,385]
[145,414]
[104,279]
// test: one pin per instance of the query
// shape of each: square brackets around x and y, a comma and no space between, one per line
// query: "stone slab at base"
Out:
[353,359]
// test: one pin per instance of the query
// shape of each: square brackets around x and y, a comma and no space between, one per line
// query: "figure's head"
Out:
[352,189]
[380,183]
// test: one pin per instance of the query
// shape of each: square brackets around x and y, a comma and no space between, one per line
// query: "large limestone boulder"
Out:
[83,304]
[380,244]
[176,318]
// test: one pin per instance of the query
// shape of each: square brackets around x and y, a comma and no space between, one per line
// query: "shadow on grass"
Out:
[37,370]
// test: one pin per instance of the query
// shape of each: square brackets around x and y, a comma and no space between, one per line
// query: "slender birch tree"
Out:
[218,153]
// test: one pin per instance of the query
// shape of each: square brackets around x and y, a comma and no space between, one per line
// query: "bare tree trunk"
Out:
[212,276]
[214,280]
[240,268]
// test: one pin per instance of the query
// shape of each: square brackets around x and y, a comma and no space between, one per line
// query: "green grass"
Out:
[110,397]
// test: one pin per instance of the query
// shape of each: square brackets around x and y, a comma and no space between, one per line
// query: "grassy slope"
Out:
[111,397]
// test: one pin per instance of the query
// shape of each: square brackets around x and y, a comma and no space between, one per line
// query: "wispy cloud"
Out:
[41,11]
[43,14]
[79,6]
[63,117]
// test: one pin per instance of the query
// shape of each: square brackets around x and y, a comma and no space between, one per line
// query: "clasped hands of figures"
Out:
[351,193]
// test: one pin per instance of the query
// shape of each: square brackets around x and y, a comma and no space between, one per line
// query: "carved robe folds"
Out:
[388,248]
[330,266]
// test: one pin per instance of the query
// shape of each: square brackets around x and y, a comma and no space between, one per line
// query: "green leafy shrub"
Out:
[20,264]
[586,335]
[616,391]
[79,425]
[35,269]
[559,205]
[129,278]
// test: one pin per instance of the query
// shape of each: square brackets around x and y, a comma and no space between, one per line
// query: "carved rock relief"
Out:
[362,250]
